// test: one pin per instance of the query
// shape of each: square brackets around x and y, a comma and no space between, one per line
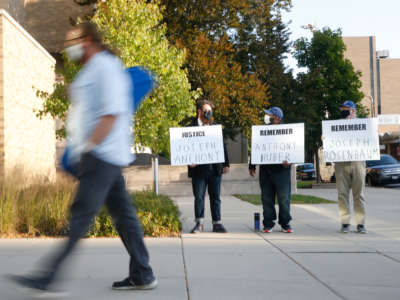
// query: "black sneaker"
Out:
[219,228]
[345,228]
[287,228]
[128,284]
[36,286]
[361,229]
[197,228]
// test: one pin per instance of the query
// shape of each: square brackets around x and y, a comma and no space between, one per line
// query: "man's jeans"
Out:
[275,183]
[103,183]
[199,185]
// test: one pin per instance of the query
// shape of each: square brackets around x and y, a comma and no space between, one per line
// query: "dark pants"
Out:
[103,183]
[199,185]
[275,183]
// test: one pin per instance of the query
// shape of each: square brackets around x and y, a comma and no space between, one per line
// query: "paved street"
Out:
[316,262]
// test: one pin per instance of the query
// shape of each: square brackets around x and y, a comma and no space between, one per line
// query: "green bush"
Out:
[42,209]
[158,215]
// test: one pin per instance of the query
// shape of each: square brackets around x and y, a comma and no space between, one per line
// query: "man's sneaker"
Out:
[197,228]
[128,284]
[361,229]
[287,228]
[268,230]
[345,228]
[36,287]
[219,228]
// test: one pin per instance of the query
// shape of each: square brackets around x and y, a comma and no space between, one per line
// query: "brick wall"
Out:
[358,52]
[390,87]
[1,102]
[28,142]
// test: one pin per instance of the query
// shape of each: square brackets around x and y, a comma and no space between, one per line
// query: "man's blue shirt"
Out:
[102,87]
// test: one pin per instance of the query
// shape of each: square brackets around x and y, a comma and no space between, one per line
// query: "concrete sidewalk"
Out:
[316,262]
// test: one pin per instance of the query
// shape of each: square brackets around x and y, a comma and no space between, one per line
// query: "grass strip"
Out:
[305,184]
[294,199]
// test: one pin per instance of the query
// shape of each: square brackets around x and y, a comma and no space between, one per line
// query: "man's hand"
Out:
[226,170]
[252,172]
[285,163]
[192,166]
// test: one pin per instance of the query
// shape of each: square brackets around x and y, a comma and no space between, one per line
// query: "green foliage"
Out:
[133,28]
[42,209]
[262,42]
[158,214]
[204,29]
[328,82]
[56,104]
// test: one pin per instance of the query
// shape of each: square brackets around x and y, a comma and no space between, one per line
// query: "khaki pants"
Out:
[351,175]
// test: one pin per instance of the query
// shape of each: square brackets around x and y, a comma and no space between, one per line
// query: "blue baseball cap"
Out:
[276,111]
[349,104]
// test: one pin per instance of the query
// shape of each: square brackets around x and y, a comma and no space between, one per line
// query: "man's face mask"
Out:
[345,113]
[207,114]
[267,119]
[75,52]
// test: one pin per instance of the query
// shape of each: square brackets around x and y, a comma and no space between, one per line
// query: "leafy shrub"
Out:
[42,209]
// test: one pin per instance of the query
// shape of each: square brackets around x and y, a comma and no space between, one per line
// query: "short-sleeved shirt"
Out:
[102,87]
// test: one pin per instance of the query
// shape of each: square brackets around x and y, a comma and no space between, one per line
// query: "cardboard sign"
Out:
[196,145]
[350,140]
[273,144]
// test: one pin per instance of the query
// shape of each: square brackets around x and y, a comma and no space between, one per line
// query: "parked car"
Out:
[380,172]
[383,171]
[305,171]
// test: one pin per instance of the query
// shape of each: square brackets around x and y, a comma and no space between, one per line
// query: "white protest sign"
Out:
[273,144]
[196,145]
[350,140]
[389,119]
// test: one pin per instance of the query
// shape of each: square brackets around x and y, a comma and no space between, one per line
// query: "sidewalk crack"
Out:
[185,269]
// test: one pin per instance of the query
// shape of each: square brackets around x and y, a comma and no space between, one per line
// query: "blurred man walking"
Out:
[99,140]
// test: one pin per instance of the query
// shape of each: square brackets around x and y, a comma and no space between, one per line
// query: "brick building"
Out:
[380,79]
[27,143]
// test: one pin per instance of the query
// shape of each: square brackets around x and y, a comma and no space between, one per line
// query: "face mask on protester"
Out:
[207,114]
[75,52]
[345,113]
[267,119]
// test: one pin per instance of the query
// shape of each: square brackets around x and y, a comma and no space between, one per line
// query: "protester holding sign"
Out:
[204,175]
[350,175]
[274,181]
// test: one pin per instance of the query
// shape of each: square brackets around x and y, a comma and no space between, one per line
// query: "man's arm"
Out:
[226,164]
[101,131]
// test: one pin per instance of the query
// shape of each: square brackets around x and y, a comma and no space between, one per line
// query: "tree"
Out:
[262,42]
[203,28]
[329,81]
[133,27]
